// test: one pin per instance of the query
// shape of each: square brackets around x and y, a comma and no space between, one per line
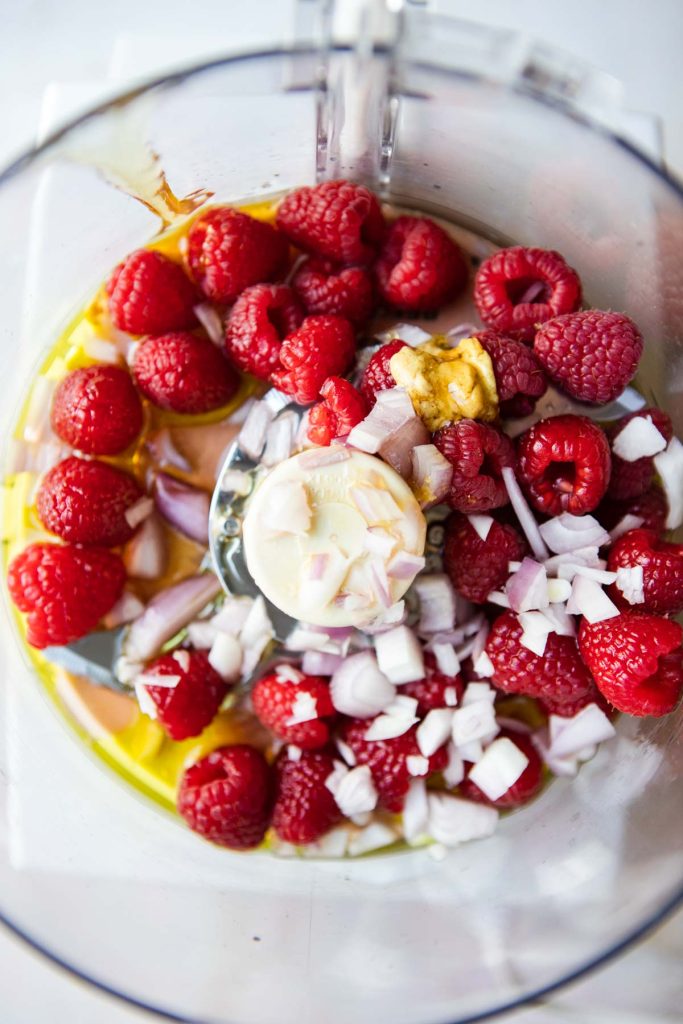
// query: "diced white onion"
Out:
[280,438]
[417,765]
[566,533]
[289,510]
[527,589]
[570,736]
[626,523]
[375,836]
[415,811]
[437,603]
[473,722]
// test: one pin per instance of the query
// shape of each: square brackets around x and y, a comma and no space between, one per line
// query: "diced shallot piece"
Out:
[375,504]
[566,533]
[127,608]
[591,601]
[358,688]
[437,603]
[404,566]
[399,655]
[570,736]
[398,448]
[145,553]
[630,582]
[524,514]
[166,613]
[452,820]
[431,474]
[527,588]
[434,730]
[184,507]
[252,436]
[392,409]
[638,440]
[289,511]
[280,438]
[210,319]
[669,465]
[415,811]
[355,792]
[500,766]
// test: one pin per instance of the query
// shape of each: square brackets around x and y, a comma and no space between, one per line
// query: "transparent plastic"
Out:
[102,880]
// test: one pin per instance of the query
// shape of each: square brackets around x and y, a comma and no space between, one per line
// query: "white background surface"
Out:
[96,49]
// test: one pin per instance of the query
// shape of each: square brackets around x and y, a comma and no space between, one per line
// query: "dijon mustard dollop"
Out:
[447,384]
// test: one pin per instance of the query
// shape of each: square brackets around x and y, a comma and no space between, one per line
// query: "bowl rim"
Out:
[33,154]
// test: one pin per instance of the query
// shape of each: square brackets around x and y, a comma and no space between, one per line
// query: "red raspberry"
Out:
[343,407]
[184,373]
[652,507]
[478,453]
[324,287]
[517,289]
[387,760]
[527,786]
[85,502]
[304,807]
[592,355]
[337,220]
[227,797]
[377,375]
[324,346]
[520,380]
[150,294]
[567,709]
[65,591]
[476,566]
[259,322]
[662,571]
[227,251]
[558,675]
[420,267]
[631,479]
[276,701]
[97,410]
[563,463]
[636,661]
[430,692]
[188,707]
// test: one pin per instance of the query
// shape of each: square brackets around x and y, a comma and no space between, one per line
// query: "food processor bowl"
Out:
[471,125]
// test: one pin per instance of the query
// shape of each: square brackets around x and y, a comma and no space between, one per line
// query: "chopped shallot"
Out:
[184,507]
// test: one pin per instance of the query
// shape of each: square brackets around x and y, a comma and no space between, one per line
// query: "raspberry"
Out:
[563,463]
[478,453]
[227,251]
[420,267]
[527,786]
[636,660]
[517,289]
[304,807]
[651,507]
[324,346]
[325,288]
[97,410]
[558,675]
[150,294]
[476,566]
[631,479]
[567,709]
[85,502]
[520,379]
[227,797]
[186,708]
[65,591]
[387,760]
[343,407]
[377,375]
[430,692]
[277,703]
[337,220]
[662,565]
[259,322]
[592,355]
[183,373]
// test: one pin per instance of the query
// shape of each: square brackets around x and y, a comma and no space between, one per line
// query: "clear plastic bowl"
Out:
[116,890]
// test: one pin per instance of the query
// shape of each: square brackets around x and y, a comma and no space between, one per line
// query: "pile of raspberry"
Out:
[547,607]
